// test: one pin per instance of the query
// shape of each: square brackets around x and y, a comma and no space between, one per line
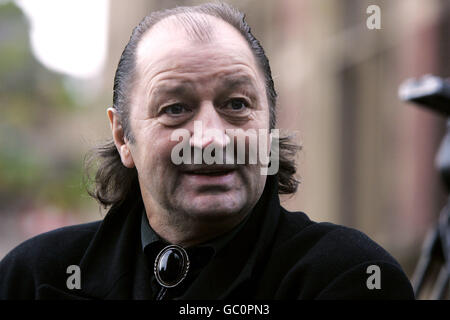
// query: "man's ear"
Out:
[121,142]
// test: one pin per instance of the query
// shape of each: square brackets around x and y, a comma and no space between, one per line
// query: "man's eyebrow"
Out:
[176,90]
[234,82]
[227,83]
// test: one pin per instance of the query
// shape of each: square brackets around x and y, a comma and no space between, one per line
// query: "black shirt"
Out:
[199,256]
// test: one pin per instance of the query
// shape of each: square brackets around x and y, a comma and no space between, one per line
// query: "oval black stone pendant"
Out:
[171,266]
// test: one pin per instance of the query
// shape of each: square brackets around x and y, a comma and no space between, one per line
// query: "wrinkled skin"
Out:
[178,81]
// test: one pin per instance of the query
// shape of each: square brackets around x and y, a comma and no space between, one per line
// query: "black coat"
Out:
[276,255]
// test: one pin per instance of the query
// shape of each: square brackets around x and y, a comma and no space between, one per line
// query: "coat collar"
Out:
[114,266]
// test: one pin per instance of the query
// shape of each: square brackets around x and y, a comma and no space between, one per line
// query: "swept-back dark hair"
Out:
[113,182]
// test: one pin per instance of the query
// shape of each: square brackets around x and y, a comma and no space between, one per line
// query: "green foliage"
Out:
[32,100]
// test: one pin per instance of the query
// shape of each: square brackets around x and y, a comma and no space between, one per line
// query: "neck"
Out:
[187,233]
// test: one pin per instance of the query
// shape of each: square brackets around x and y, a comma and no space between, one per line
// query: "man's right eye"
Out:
[175,109]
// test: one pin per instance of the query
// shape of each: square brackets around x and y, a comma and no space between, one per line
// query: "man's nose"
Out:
[208,128]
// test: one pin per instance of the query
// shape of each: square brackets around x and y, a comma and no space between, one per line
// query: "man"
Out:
[198,229]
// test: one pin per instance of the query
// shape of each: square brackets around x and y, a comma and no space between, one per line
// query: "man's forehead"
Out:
[183,30]
[166,49]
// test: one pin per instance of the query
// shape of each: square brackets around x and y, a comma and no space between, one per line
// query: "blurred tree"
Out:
[32,99]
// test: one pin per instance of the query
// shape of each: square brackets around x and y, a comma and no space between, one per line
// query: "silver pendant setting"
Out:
[171,266]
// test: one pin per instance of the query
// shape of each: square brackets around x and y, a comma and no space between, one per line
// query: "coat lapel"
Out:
[110,262]
[49,292]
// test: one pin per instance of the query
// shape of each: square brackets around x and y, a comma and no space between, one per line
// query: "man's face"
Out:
[180,81]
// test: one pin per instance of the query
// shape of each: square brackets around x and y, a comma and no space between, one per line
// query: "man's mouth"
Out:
[209,170]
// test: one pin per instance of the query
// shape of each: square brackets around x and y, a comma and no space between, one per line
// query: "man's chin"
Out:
[213,206]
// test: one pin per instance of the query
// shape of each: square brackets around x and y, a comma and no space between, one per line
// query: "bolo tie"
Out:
[171,268]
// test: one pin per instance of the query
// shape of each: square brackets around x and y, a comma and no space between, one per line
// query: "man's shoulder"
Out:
[49,247]
[317,238]
[43,259]
[331,261]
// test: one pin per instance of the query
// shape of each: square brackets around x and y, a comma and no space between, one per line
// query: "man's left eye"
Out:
[237,104]
[175,109]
